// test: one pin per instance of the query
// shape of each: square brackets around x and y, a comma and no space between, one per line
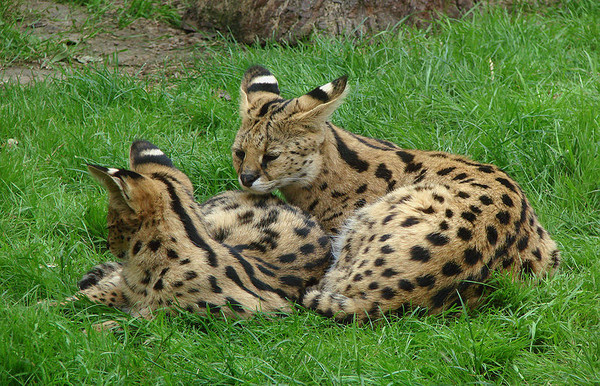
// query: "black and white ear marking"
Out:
[144,152]
[329,91]
[112,176]
[321,102]
[257,79]
[116,181]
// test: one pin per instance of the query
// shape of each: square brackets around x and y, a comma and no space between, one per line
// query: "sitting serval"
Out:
[415,228]
[237,253]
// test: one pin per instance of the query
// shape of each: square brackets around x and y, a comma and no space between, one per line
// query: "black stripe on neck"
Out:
[188,224]
[348,155]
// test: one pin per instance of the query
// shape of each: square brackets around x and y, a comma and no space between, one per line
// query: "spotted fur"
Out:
[237,253]
[414,228]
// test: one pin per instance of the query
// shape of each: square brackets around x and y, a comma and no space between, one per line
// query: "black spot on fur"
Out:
[441,295]
[379,262]
[158,285]
[313,205]
[307,249]
[492,234]
[506,200]
[469,216]
[287,258]
[428,210]
[522,244]
[507,183]
[361,189]
[406,285]
[472,256]
[147,277]
[421,176]
[405,156]
[449,213]
[445,171]
[189,275]
[302,232]
[137,247]
[438,198]
[426,280]
[323,241]
[410,221]
[486,200]
[444,225]
[171,254]
[388,218]
[475,209]
[383,172]
[388,293]
[386,249]
[503,217]
[292,281]
[460,176]
[486,169]
[389,272]
[419,253]
[538,255]
[246,217]
[451,269]
[413,167]
[463,195]
[464,234]
[540,232]
[385,237]
[357,277]
[213,285]
[360,203]
[437,239]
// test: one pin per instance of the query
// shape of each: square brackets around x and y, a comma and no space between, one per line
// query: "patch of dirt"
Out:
[143,48]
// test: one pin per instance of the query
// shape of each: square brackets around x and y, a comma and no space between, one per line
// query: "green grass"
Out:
[537,116]
[128,11]
[21,47]
[15,46]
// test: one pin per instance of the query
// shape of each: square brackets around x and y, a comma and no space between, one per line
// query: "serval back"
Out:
[415,228]
[237,253]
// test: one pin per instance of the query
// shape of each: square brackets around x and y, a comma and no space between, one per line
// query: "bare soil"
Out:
[143,48]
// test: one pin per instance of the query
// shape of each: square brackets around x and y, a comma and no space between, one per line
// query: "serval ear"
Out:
[147,158]
[120,183]
[320,103]
[258,87]
[145,153]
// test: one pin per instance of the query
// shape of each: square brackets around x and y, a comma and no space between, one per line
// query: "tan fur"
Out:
[421,228]
[236,254]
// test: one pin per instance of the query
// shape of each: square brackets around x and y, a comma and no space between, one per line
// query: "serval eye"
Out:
[240,154]
[270,157]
